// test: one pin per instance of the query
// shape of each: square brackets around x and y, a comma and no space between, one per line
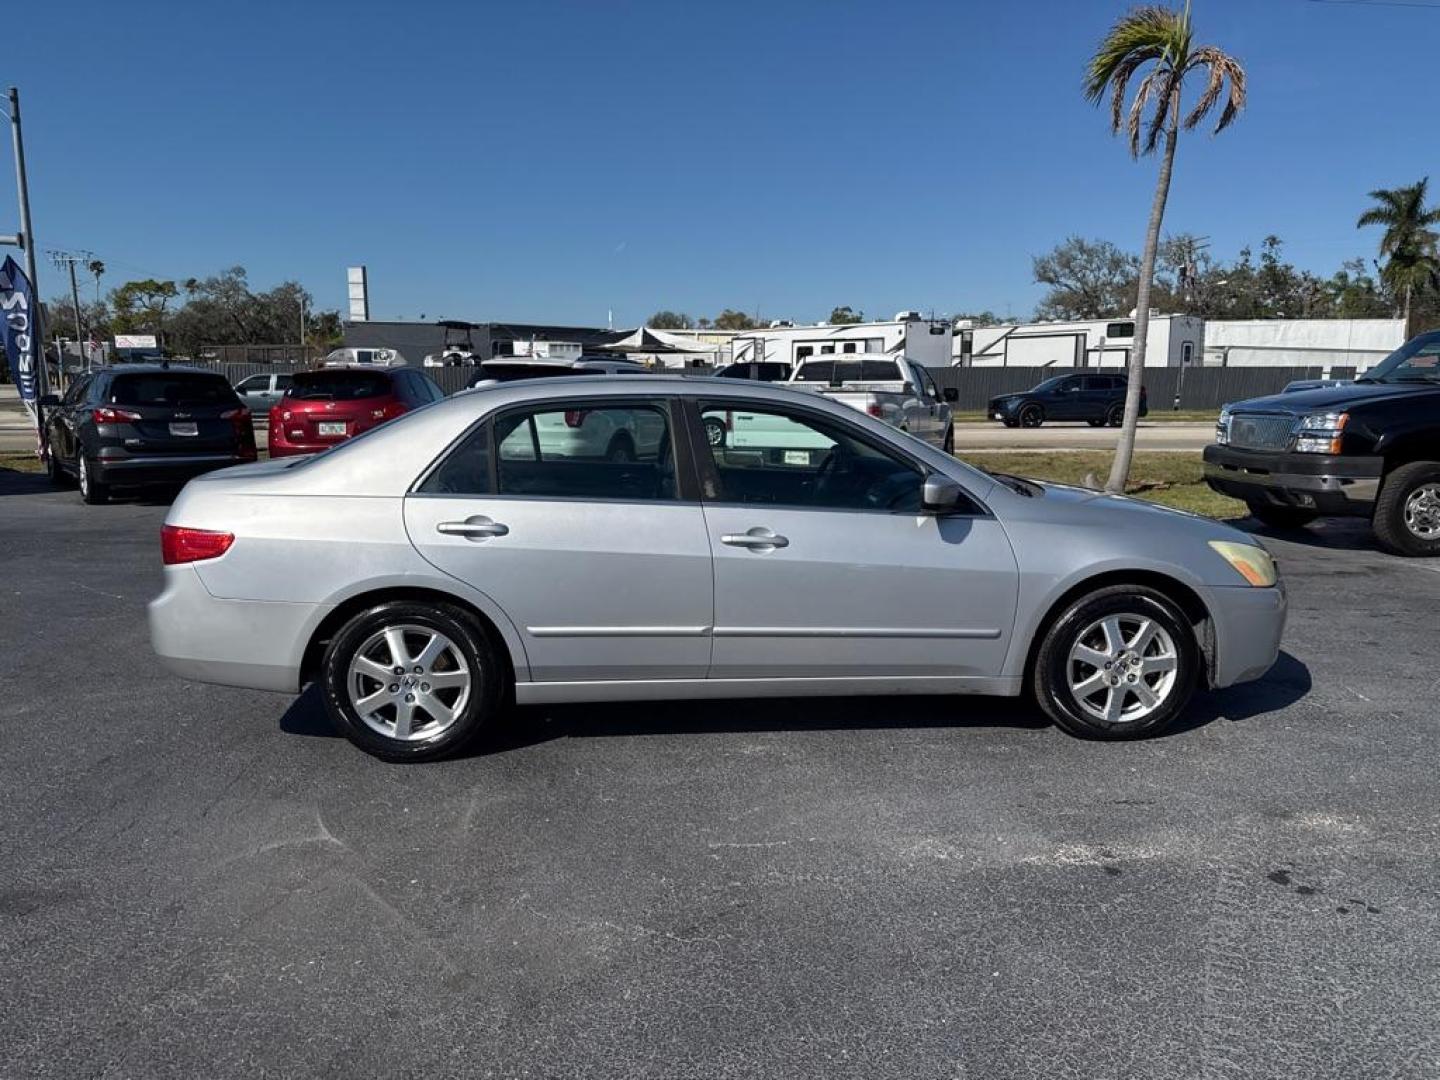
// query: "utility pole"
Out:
[70,259]
[26,238]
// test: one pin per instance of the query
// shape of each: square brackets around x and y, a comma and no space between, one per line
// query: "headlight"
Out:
[1252,563]
[1222,427]
[1320,433]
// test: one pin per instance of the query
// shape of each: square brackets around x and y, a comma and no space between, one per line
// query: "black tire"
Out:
[1032,416]
[1012,423]
[487,687]
[715,432]
[53,469]
[621,450]
[949,443]
[92,491]
[1131,604]
[1281,517]
[1407,520]
[1115,416]
[1096,423]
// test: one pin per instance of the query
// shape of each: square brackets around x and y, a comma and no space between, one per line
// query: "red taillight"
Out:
[107,415]
[875,410]
[182,545]
[574,417]
[388,411]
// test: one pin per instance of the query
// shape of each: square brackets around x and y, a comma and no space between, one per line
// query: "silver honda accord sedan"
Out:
[463,556]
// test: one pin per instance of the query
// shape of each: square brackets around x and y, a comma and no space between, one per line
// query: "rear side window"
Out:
[592,450]
[844,371]
[171,388]
[338,385]
[465,470]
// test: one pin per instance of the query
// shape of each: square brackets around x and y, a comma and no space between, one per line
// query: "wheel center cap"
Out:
[409,682]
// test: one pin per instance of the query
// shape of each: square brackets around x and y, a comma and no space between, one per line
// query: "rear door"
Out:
[171,412]
[333,404]
[825,565]
[603,565]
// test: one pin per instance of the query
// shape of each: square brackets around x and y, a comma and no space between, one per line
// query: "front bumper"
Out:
[257,644]
[1248,624]
[1328,484]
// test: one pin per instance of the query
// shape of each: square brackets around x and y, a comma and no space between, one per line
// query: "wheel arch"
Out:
[1181,594]
[343,612]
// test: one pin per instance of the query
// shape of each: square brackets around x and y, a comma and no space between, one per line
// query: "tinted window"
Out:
[1120,330]
[1049,385]
[594,450]
[465,470]
[282,382]
[773,457]
[337,385]
[254,384]
[843,371]
[171,388]
[76,391]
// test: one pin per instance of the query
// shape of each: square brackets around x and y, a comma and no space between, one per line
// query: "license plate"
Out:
[331,427]
[184,428]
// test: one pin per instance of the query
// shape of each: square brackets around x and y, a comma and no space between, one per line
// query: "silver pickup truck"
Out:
[892,388]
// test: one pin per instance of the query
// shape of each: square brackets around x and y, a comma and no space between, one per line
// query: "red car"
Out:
[330,405]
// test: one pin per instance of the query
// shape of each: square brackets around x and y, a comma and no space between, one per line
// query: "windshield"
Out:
[171,388]
[1418,360]
[338,385]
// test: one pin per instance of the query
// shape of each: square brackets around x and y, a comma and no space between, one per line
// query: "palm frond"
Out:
[1158,32]
[1120,81]
[1147,88]
[1220,68]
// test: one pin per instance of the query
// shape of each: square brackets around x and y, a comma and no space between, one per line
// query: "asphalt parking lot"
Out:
[200,881]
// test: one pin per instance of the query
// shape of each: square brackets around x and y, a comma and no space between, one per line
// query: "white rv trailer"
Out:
[1357,343]
[925,341]
[1174,341]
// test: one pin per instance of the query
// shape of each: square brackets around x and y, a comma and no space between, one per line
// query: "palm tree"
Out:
[96,268]
[1162,40]
[1408,243]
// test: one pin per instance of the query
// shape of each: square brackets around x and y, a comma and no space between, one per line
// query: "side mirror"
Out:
[940,494]
[952,394]
[50,401]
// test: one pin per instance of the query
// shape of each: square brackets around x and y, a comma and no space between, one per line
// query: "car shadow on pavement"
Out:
[528,725]
[1336,534]
[14,482]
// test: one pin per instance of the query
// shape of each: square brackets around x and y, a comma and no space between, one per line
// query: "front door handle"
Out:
[473,528]
[758,538]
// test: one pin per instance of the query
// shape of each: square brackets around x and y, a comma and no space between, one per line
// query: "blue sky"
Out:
[546,161]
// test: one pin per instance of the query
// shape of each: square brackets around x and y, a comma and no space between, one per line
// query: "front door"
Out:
[825,565]
[597,560]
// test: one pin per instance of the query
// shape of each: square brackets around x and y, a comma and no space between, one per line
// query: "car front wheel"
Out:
[1407,513]
[1120,663]
[92,491]
[410,681]
[1032,416]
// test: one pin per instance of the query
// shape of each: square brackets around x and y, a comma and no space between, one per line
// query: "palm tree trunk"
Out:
[1125,444]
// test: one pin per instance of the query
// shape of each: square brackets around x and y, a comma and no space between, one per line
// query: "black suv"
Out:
[1097,399]
[144,424]
[1368,449]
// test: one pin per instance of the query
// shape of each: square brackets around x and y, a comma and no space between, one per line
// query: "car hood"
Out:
[1331,397]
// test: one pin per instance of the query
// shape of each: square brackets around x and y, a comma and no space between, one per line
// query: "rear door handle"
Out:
[473,528]
[758,537]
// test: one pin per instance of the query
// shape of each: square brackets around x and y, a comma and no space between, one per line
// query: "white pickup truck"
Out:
[891,388]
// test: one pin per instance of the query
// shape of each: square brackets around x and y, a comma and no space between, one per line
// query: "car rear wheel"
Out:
[949,444]
[1120,663]
[1407,513]
[1032,416]
[92,491]
[1281,517]
[408,681]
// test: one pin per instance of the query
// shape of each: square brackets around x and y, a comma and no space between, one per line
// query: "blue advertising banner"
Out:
[20,335]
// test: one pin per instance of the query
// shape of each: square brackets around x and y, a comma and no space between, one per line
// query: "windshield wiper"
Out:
[1015,483]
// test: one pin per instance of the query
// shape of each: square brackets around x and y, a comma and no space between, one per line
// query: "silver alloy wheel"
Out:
[1422,512]
[409,682]
[1122,668]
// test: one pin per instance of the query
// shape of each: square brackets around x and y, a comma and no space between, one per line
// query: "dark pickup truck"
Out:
[1368,449]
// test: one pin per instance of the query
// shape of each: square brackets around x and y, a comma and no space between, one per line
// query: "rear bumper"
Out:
[257,644]
[1327,484]
[162,468]
[1248,624]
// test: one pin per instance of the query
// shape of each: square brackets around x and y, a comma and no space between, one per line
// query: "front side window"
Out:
[256,384]
[589,450]
[76,391]
[770,456]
